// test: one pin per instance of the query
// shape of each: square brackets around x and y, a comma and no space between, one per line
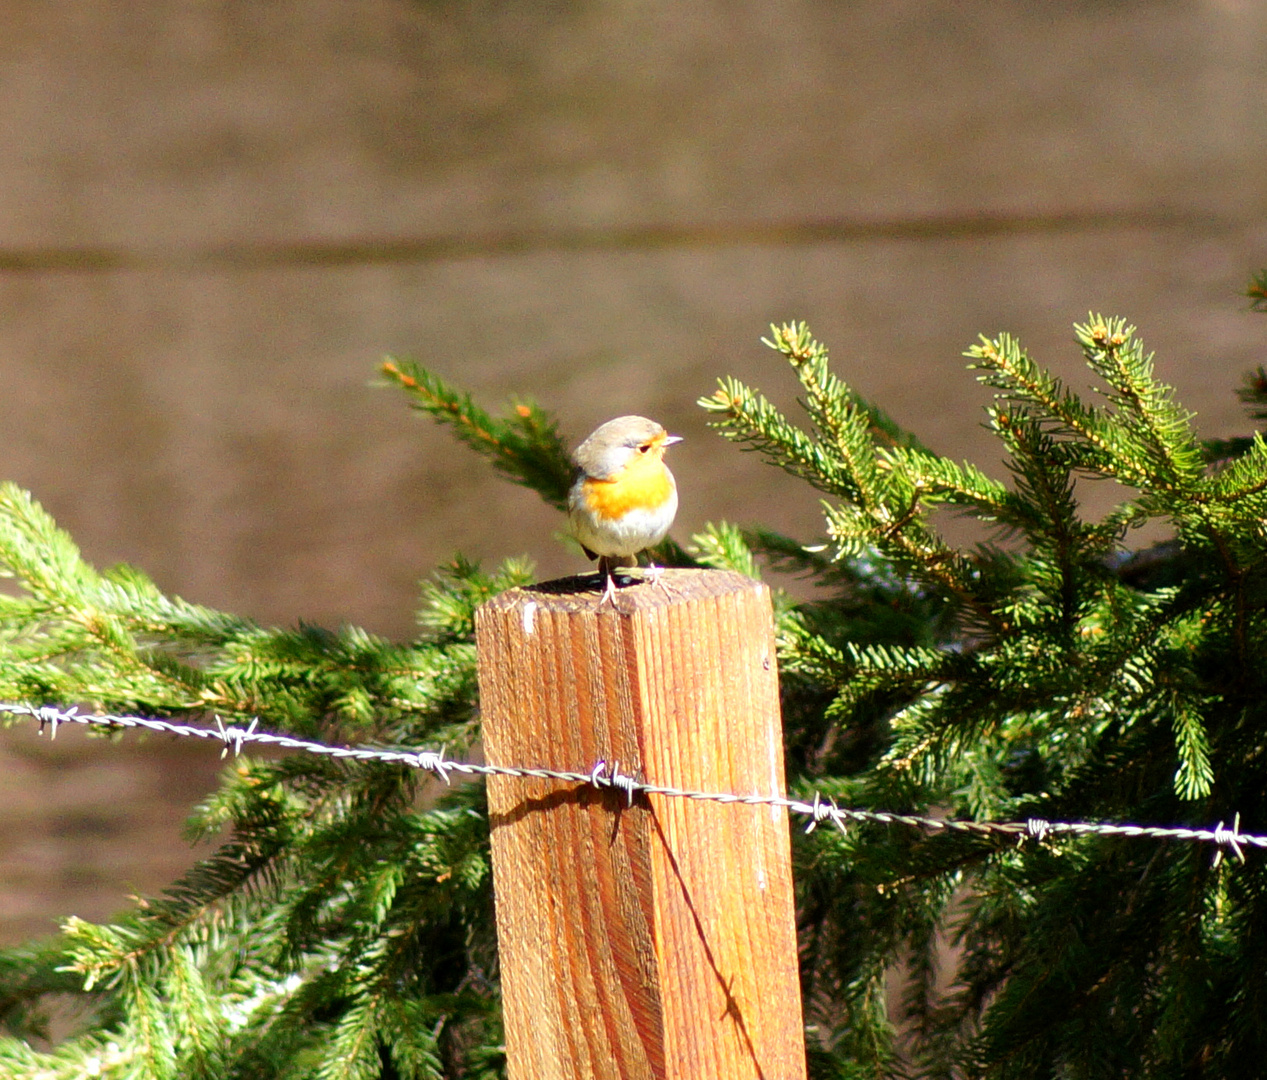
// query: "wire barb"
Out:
[605,775]
[1231,838]
[433,761]
[47,715]
[824,811]
[1037,829]
[234,736]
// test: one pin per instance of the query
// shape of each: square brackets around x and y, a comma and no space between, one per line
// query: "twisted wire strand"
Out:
[607,776]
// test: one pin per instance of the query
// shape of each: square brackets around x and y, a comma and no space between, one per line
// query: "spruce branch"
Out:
[1024,385]
[884,477]
[827,393]
[1241,485]
[1195,775]
[450,598]
[1253,390]
[725,547]
[1257,291]
[1158,429]
[525,446]
[750,419]
[198,976]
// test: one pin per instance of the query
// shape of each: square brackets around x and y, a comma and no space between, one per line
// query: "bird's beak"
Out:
[669,440]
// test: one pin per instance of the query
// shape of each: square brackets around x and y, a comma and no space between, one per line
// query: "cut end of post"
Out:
[636,590]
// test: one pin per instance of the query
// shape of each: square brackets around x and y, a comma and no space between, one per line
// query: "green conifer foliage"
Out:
[343,927]
[1046,675]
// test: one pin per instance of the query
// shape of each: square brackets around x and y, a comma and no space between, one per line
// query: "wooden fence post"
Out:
[655,939]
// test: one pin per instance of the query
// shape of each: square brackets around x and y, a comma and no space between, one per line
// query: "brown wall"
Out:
[216,217]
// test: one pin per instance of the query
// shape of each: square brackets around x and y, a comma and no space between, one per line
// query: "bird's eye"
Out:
[644,448]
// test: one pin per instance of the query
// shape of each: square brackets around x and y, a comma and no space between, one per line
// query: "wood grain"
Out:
[655,939]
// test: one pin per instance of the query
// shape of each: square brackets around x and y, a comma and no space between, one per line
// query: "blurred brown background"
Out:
[216,217]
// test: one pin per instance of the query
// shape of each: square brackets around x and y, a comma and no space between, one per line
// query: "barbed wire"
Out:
[606,775]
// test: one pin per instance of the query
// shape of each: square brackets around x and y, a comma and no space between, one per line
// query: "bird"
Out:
[623,497]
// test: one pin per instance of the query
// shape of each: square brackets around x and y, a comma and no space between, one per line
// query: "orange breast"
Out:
[644,485]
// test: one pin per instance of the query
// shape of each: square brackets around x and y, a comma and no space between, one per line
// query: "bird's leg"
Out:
[605,571]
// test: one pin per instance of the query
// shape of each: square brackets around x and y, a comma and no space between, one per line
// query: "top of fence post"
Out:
[641,936]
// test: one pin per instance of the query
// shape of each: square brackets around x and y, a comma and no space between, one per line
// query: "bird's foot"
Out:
[654,575]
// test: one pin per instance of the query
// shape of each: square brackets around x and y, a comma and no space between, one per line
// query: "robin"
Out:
[623,497]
